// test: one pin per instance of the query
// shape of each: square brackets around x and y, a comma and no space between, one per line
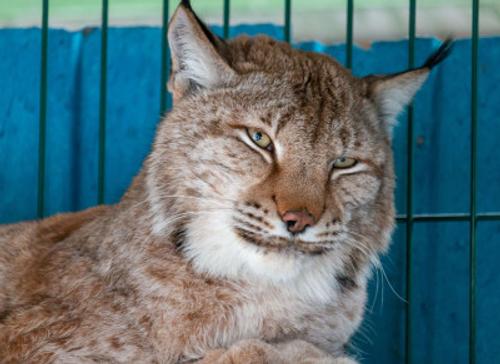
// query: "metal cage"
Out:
[409,218]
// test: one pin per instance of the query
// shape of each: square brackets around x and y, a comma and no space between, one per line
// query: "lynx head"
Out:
[273,161]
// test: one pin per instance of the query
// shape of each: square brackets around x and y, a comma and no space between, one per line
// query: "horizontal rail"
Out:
[449,217]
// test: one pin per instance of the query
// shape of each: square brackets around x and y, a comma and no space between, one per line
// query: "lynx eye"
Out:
[261,139]
[344,162]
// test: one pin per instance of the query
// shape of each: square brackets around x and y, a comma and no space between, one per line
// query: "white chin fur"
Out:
[215,250]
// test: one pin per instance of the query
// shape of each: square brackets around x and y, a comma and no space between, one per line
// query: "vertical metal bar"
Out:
[164,64]
[42,122]
[409,191]
[226,14]
[288,20]
[473,183]
[349,33]
[102,104]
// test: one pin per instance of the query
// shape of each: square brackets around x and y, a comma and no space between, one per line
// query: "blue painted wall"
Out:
[442,118]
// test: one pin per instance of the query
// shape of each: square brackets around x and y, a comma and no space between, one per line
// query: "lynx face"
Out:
[274,162]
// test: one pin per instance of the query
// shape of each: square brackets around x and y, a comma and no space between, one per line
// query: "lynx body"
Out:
[248,235]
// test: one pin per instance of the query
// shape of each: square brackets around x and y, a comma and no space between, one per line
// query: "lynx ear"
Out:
[197,54]
[391,93]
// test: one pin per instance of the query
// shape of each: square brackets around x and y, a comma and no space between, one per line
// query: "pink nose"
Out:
[297,221]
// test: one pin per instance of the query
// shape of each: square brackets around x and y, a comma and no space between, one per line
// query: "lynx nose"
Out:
[297,221]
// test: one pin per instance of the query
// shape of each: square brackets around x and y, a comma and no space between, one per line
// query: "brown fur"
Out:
[194,263]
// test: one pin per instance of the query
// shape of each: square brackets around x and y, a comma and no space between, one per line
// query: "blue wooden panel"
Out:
[442,119]
[440,307]
[62,128]
[19,79]
[488,292]
[381,337]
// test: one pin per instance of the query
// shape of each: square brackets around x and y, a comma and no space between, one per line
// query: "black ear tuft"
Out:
[440,55]
[214,39]
[187,4]
[391,93]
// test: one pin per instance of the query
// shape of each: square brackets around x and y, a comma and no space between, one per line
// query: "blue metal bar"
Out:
[101,177]
[409,192]
[165,55]
[288,20]
[349,33]
[226,16]
[42,122]
[473,183]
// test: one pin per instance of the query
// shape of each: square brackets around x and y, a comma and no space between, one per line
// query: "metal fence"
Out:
[409,218]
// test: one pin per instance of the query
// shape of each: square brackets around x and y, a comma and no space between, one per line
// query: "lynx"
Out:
[249,234]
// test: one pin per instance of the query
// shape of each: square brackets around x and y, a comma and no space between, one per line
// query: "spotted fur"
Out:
[195,263]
